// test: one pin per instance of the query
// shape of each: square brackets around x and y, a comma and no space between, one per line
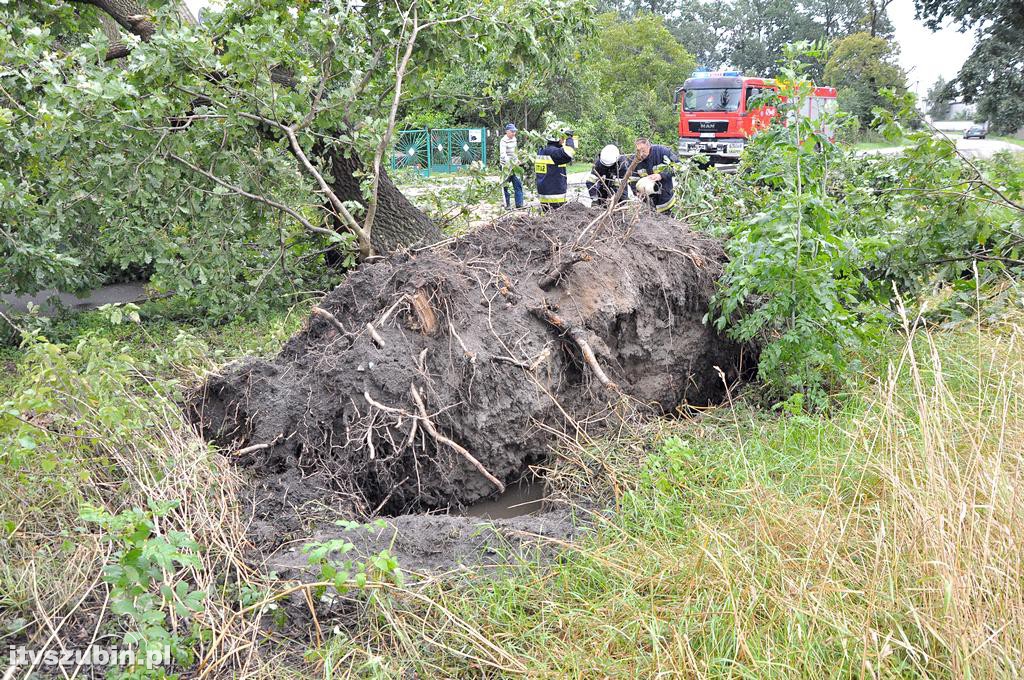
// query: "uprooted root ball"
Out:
[433,378]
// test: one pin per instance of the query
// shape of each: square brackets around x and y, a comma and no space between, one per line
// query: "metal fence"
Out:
[442,150]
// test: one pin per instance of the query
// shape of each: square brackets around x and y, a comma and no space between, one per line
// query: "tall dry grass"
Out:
[884,541]
[104,432]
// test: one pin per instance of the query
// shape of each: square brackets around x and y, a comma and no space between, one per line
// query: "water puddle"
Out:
[520,498]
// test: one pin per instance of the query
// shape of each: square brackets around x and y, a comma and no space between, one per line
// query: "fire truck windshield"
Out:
[712,99]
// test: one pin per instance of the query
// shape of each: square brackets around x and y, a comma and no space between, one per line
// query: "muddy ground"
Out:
[431,379]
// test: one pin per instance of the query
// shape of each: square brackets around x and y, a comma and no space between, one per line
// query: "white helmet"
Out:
[645,186]
[609,155]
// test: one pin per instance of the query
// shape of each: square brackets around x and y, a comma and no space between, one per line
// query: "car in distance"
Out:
[976,132]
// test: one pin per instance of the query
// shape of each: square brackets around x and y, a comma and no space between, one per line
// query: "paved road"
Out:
[110,294]
[985,148]
[971,148]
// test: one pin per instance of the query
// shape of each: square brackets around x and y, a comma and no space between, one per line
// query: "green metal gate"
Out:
[441,150]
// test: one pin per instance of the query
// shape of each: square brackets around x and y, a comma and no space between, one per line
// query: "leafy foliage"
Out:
[138,577]
[793,279]
[345,574]
[636,65]
[993,75]
[750,34]
[822,242]
[153,161]
[861,67]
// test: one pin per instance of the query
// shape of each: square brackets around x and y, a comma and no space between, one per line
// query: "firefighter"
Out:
[652,178]
[552,160]
[610,168]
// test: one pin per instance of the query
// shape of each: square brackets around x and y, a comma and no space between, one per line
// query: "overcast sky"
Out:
[923,54]
[926,55]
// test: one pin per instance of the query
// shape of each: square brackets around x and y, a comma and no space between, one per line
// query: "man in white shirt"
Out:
[507,158]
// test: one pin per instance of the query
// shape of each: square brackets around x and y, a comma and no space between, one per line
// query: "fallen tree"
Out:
[246,152]
[432,378]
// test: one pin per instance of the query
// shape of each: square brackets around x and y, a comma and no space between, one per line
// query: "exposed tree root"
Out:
[470,321]
[580,338]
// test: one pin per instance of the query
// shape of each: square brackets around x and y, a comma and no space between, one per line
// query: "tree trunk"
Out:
[398,223]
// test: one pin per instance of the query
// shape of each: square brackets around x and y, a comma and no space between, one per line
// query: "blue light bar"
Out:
[730,74]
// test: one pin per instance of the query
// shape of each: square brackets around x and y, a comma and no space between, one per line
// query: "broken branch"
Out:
[256,197]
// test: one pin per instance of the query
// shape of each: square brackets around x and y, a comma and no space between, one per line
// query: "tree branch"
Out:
[365,247]
[981,178]
[133,17]
[256,197]
[371,208]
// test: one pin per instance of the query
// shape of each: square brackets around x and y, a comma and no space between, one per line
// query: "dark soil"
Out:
[435,543]
[491,341]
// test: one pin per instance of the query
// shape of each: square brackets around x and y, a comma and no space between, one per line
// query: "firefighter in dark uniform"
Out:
[550,165]
[652,177]
[610,168]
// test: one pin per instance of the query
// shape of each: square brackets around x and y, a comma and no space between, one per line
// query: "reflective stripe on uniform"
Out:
[665,207]
[552,198]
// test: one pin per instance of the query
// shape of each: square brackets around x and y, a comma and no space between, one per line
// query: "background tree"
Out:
[876,21]
[763,28]
[860,67]
[835,19]
[706,29]
[636,66]
[749,34]
[993,75]
[937,100]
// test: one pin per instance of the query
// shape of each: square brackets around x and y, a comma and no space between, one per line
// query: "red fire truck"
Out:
[714,118]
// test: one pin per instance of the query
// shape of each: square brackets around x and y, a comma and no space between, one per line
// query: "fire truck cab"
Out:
[716,121]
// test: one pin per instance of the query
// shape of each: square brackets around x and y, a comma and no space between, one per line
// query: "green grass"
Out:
[881,539]
[1006,138]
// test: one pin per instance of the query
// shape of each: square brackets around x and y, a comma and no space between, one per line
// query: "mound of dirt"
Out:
[432,379]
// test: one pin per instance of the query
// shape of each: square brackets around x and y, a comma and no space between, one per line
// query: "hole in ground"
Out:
[524,497]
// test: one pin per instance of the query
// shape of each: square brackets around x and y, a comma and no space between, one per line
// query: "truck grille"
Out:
[709,125]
